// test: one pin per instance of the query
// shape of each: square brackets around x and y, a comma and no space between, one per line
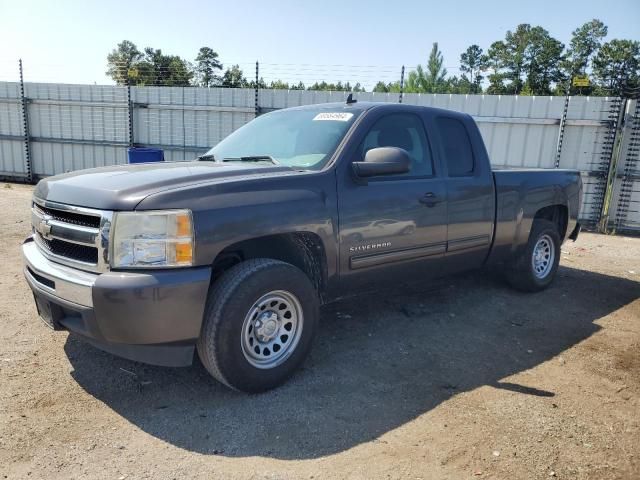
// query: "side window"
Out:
[403,131]
[457,146]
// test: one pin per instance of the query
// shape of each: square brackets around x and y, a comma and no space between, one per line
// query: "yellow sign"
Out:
[581,81]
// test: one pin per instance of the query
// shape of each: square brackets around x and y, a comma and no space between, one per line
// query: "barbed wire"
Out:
[185,74]
[292,76]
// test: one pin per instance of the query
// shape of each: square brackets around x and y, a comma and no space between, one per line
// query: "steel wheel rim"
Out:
[272,329]
[544,253]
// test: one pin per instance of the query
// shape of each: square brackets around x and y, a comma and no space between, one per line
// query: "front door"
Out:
[392,227]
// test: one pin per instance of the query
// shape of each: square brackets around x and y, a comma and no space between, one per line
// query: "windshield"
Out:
[303,139]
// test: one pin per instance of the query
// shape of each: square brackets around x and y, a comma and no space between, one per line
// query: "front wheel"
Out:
[535,268]
[260,320]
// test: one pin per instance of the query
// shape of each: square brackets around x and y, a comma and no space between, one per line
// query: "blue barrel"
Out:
[145,155]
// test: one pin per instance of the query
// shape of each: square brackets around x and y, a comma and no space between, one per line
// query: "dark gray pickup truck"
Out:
[231,255]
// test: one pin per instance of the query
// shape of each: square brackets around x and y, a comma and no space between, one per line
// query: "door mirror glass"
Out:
[383,161]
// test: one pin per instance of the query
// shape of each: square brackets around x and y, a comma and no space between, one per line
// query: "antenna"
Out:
[350,99]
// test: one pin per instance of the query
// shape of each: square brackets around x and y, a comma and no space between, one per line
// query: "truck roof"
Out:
[363,106]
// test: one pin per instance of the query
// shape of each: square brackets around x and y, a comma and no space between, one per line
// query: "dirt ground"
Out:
[464,378]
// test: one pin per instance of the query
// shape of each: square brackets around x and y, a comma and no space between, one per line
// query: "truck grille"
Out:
[73,251]
[70,235]
[70,217]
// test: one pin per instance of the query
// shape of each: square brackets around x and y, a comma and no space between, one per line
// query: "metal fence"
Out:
[50,128]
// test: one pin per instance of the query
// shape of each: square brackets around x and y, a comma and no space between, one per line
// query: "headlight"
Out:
[155,239]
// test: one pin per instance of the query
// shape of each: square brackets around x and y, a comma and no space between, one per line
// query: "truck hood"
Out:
[122,187]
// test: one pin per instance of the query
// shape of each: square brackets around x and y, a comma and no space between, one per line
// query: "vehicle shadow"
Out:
[379,361]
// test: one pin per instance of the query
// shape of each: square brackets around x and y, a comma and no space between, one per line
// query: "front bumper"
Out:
[152,317]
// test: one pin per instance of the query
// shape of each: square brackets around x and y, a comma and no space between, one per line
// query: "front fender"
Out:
[228,213]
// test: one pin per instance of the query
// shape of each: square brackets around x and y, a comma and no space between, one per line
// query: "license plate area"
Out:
[49,313]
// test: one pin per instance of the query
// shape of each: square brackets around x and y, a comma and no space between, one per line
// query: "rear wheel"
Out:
[535,267]
[259,323]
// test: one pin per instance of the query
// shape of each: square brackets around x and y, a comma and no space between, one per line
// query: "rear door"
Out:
[470,192]
[391,227]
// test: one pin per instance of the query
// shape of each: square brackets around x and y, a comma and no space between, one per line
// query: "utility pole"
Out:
[401,84]
[25,126]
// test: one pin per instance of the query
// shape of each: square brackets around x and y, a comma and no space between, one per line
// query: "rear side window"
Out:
[457,146]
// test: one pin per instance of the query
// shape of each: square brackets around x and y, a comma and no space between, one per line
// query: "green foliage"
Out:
[429,80]
[279,85]
[207,65]
[543,57]
[473,62]
[336,87]
[126,64]
[436,73]
[529,57]
[391,87]
[617,67]
[120,61]
[528,61]
[585,43]
[234,78]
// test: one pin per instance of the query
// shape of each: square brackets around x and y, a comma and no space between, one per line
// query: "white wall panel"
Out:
[82,126]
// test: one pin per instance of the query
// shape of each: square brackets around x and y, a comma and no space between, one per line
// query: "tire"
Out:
[259,322]
[530,274]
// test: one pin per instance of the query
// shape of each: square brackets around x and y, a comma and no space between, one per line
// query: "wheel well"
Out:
[304,250]
[558,214]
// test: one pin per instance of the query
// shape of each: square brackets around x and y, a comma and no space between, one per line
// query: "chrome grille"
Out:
[81,253]
[69,217]
[74,236]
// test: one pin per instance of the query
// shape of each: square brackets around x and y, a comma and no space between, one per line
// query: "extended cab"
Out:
[232,254]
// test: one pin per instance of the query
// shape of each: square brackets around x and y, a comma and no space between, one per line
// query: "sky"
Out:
[68,41]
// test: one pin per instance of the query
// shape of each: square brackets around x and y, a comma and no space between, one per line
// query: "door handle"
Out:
[429,199]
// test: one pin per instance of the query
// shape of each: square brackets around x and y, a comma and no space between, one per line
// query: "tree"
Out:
[180,72]
[416,81]
[234,78]
[507,59]
[496,59]
[436,73]
[431,80]
[207,64]
[252,84]
[461,85]
[159,69]
[336,87]
[543,58]
[617,66]
[528,56]
[585,43]
[121,60]
[473,62]
[279,85]
[126,64]
[380,87]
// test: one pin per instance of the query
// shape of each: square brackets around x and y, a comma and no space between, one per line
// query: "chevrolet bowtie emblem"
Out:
[43,228]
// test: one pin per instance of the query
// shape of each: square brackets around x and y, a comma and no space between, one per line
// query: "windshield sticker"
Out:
[335,116]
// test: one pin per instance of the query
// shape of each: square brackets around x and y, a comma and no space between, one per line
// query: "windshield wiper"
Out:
[210,157]
[252,158]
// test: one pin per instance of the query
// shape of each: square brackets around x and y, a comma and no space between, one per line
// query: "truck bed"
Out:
[520,193]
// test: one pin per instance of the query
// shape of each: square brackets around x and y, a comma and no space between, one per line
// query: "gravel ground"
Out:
[463,378]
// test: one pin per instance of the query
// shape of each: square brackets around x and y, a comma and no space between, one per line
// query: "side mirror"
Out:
[383,161]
